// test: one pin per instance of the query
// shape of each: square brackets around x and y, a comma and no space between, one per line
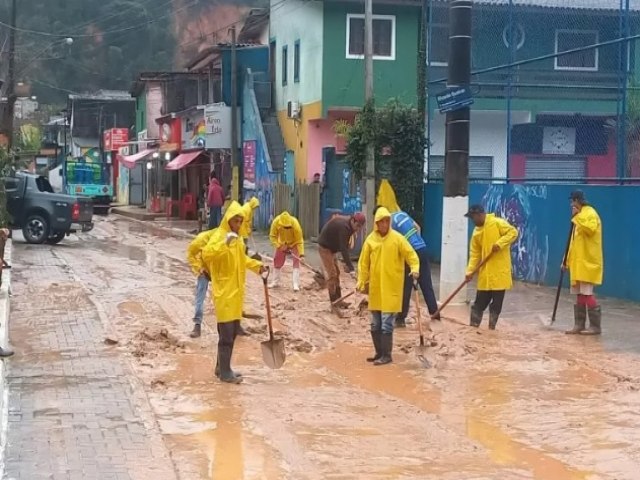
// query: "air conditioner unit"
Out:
[293,110]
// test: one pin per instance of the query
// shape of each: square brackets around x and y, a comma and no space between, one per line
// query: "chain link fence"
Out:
[555,87]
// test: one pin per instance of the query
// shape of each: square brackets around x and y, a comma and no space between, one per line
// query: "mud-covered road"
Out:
[518,403]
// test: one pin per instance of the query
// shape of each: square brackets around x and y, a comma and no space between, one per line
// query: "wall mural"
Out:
[515,203]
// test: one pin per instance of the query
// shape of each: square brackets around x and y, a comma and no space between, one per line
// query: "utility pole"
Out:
[7,120]
[370,168]
[236,187]
[455,239]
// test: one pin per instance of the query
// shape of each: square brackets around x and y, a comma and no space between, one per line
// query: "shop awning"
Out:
[183,160]
[129,161]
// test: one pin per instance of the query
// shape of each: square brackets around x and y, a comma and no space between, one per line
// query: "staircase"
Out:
[275,143]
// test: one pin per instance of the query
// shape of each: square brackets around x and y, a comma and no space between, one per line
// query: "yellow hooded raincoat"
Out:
[585,259]
[381,265]
[496,273]
[194,251]
[227,265]
[247,210]
[281,235]
[387,197]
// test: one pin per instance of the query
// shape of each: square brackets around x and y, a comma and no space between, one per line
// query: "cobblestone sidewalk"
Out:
[75,411]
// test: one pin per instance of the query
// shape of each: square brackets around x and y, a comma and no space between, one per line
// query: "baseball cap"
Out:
[359,217]
[577,195]
[474,209]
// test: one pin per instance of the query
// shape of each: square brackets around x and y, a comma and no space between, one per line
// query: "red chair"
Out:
[170,205]
[188,206]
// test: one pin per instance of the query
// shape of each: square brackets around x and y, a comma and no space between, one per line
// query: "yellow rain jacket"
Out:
[585,260]
[194,251]
[227,265]
[281,235]
[247,210]
[381,265]
[387,197]
[496,273]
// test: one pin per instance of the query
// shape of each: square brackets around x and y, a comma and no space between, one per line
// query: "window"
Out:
[10,184]
[586,60]
[480,168]
[567,169]
[296,62]
[438,51]
[285,65]
[384,36]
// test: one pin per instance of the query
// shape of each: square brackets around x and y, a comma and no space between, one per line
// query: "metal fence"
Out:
[555,86]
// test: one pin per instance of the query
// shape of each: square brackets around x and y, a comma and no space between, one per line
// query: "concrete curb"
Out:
[5,302]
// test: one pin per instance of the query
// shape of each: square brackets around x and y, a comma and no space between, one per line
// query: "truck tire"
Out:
[56,238]
[36,229]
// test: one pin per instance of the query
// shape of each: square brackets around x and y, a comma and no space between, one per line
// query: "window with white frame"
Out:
[384,36]
[585,60]
[438,50]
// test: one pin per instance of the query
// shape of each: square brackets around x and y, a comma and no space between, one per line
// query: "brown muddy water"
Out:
[518,403]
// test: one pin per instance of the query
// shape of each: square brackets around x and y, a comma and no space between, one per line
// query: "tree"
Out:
[398,135]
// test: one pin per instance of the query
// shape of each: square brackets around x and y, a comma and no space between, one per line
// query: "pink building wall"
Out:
[321,135]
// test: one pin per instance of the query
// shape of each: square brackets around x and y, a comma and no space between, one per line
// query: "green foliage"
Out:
[29,139]
[8,163]
[398,136]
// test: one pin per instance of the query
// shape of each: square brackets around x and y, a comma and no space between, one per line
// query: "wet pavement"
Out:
[523,402]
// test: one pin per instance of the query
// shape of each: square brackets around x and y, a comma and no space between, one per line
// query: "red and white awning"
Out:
[183,160]
[129,161]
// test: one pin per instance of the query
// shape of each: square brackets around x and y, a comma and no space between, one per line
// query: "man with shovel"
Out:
[585,264]
[381,274]
[225,259]
[491,239]
[286,236]
[335,237]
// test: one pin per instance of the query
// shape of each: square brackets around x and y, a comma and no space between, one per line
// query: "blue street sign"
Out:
[454,98]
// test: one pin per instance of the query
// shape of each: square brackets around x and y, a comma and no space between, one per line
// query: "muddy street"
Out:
[107,384]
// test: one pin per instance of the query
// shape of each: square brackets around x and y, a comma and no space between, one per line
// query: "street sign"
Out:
[454,98]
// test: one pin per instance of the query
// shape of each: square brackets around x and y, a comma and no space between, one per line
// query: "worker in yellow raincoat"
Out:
[585,263]
[247,225]
[194,257]
[381,273]
[287,238]
[226,261]
[491,236]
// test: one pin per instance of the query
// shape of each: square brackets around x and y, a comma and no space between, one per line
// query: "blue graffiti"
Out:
[529,254]
[350,203]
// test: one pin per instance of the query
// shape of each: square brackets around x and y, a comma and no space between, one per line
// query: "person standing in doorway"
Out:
[336,237]
[194,256]
[287,238]
[491,236]
[585,263]
[215,201]
[381,272]
[225,259]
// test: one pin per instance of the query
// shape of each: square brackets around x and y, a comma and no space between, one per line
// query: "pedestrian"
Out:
[585,264]
[215,201]
[491,236]
[225,259]
[194,256]
[286,236]
[247,225]
[336,237]
[381,272]
[402,223]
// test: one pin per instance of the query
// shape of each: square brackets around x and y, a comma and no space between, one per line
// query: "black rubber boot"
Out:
[224,360]
[493,320]
[5,352]
[197,331]
[400,322]
[386,345]
[595,319]
[375,336]
[476,318]
[580,319]
[343,305]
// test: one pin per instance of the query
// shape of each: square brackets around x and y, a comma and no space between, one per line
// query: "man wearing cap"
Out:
[492,237]
[335,237]
[585,264]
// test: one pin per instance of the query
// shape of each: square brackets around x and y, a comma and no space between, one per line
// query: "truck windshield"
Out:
[44,185]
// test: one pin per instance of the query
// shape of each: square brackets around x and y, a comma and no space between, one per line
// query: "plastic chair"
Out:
[188,206]
[170,205]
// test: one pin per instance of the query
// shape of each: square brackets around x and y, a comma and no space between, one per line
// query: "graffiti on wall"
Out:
[351,198]
[123,185]
[515,203]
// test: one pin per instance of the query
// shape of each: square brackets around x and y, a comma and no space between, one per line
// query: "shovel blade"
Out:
[421,353]
[273,353]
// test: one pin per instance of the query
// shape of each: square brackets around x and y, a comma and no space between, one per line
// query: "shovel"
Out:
[272,350]
[421,350]
[547,322]
[457,290]
[342,298]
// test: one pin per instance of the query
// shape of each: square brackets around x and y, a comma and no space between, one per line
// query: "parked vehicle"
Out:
[90,178]
[45,216]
